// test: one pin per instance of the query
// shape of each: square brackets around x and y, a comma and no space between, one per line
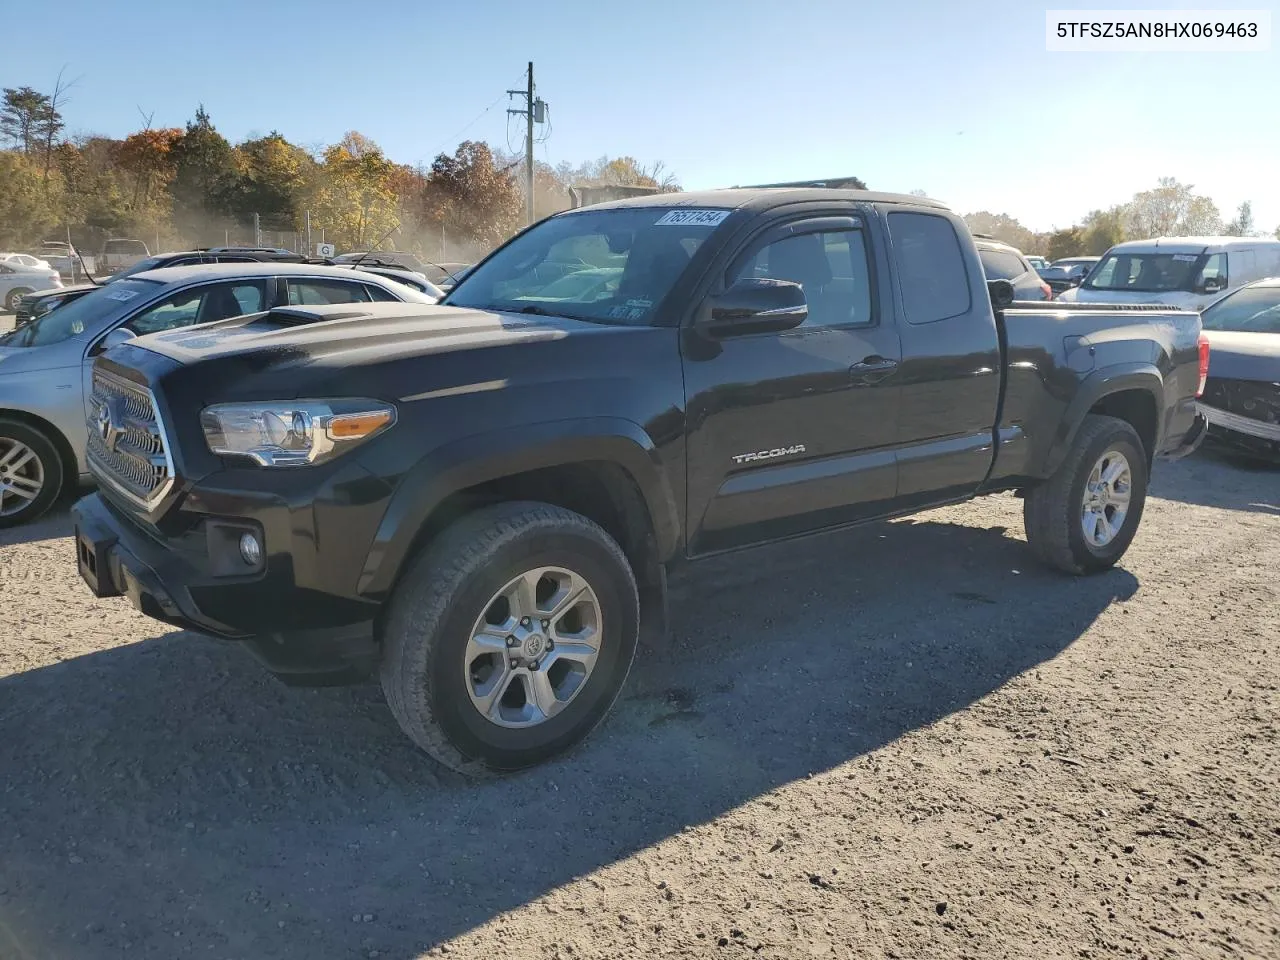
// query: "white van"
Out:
[1185,272]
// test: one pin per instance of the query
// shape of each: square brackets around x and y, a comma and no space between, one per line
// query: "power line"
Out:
[478,117]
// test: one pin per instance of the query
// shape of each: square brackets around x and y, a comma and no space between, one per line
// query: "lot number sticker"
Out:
[697,218]
[124,296]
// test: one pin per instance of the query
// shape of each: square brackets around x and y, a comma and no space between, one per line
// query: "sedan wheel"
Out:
[21,477]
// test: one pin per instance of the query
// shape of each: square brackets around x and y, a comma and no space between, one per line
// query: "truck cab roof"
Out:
[757,198]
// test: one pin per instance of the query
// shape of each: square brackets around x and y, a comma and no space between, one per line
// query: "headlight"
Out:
[292,433]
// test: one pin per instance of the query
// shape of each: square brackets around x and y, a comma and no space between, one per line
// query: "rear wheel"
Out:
[14,297]
[510,638]
[1083,518]
[30,473]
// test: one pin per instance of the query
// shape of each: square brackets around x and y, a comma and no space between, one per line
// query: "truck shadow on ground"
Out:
[167,796]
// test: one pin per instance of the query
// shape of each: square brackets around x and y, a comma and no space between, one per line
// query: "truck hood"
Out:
[1235,355]
[357,339]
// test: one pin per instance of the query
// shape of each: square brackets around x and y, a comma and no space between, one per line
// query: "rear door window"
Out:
[931,271]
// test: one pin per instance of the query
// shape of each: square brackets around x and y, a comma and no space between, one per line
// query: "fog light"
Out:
[250,549]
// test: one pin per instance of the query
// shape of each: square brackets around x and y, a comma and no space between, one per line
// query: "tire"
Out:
[1054,512]
[430,669]
[13,297]
[29,464]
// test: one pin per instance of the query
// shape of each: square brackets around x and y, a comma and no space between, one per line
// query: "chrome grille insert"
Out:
[126,443]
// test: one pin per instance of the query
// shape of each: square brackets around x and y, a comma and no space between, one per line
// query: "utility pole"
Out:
[310,249]
[533,112]
[257,231]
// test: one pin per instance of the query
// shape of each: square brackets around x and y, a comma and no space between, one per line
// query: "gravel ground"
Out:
[906,741]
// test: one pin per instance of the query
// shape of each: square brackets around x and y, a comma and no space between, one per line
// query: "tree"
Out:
[28,208]
[352,198]
[204,175]
[1172,209]
[50,123]
[24,110]
[1242,225]
[471,197]
[272,178]
[1065,243]
[1002,227]
[148,158]
[1103,229]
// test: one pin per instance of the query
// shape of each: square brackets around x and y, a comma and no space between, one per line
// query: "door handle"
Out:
[872,370]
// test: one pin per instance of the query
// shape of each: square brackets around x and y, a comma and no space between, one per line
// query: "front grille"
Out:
[1253,399]
[126,445]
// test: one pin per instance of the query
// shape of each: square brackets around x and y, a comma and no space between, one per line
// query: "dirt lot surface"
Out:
[906,741]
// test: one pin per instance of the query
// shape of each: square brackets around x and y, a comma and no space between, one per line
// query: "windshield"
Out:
[1146,272]
[74,318]
[1251,310]
[631,259]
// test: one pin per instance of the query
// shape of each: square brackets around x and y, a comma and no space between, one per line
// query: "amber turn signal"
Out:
[353,426]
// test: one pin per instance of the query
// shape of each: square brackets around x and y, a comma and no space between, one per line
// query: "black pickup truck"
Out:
[481,500]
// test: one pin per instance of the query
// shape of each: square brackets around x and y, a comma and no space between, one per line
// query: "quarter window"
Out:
[831,268]
[320,292]
[931,267]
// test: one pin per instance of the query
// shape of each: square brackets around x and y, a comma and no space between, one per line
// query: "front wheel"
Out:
[30,473]
[1083,518]
[14,297]
[509,639]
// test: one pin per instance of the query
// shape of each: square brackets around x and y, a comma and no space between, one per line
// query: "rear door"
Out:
[791,432]
[949,385]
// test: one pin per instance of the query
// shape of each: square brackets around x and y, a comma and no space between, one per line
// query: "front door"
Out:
[794,431]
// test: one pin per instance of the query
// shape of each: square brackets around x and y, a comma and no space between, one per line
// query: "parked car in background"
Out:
[450,274]
[17,280]
[64,258]
[1062,275]
[45,365]
[1000,261]
[40,302]
[1242,394]
[1037,263]
[397,258]
[25,260]
[120,254]
[1185,272]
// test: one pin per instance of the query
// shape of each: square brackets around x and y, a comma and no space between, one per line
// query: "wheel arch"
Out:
[1129,392]
[606,469]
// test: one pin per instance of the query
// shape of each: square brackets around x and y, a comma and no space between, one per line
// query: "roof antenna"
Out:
[360,259]
[92,279]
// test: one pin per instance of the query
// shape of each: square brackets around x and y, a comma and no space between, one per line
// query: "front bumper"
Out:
[294,630]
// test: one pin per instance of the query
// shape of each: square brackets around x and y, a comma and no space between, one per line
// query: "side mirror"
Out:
[116,337]
[1212,285]
[755,305]
[1001,293]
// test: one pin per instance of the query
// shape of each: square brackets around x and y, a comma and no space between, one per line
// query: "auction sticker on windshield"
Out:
[122,295]
[697,218]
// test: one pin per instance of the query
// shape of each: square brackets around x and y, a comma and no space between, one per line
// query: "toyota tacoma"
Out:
[480,500]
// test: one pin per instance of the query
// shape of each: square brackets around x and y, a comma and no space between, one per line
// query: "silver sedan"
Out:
[45,366]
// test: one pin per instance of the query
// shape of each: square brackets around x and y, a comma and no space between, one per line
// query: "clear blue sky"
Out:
[955,97]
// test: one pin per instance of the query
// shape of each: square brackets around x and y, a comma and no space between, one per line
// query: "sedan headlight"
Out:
[291,433]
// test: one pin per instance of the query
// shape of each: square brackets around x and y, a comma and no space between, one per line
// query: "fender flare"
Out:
[494,454]
[1102,383]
